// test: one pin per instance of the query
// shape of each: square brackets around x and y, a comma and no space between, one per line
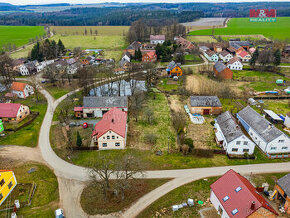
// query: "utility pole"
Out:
[168,143]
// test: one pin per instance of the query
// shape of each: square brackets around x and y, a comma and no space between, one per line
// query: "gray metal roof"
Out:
[263,127]
[205,101]
[2,88]
[112,101]
[172,64]
[219,66]
[284,183]
[234,45]
[230,129]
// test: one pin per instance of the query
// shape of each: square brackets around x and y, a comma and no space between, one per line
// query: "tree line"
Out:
[47,49]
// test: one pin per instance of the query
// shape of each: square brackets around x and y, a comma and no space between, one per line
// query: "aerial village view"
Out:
[144,109]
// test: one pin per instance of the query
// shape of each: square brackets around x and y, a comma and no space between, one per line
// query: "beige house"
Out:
[13,112]
[111,131]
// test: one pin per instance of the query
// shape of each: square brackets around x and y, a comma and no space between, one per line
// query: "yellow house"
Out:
[174,69]
[7,184]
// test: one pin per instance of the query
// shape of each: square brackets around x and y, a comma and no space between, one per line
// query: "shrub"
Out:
[185,149]
[79,140]
[189,142]
[150,138]
[212,122]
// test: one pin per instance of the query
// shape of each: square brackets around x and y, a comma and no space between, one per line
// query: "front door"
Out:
[205,111]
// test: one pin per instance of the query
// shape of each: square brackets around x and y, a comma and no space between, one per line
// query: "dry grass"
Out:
[201,39]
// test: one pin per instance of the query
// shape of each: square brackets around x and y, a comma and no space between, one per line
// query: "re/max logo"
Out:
[263,15]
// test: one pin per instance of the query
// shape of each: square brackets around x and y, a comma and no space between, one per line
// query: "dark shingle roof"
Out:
[219,66]
[263,127]
[205,101]
[234,59]
[172,64]
[284,183]
[96,101]
[135,45]
[224,53]
[210,53]
[234,45]
[229,127]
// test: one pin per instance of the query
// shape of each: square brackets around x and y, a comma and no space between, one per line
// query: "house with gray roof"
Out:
[97,106]
[282,189]
[270,139]
[230,136]
[205,105]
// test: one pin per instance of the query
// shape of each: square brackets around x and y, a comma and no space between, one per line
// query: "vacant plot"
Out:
[201,39]
[19,35]
[92,200]
[278,106]
[210,21]
[242,26]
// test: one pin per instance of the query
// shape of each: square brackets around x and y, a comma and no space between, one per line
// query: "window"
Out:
[238,142]
[110,131]
[238,189]
[273,148]
[235,211]
[226,198]
[284,148]
[117,137]
[1,196]
[281,141]
[117,144]
[104,144]
[108,137]
[220,210]
[234,149]
[113,137]
[104,137]
[10,185]
[246,150]
[2,182]
[245,143]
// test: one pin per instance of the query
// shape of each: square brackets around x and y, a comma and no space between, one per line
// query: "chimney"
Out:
[112,120]
[253,205]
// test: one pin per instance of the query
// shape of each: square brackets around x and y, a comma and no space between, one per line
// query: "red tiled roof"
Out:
[17,86]
[9,109]
[114,120]
[76,109]
[241,200]
[151,54]
[243,53]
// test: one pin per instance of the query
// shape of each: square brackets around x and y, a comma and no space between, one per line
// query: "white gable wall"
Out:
[243,144]
[279,145]
[226,58]
[235,66]
[216,203]
[23,70]
[107,142]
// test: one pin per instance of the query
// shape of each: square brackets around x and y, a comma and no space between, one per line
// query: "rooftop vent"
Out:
[253,205]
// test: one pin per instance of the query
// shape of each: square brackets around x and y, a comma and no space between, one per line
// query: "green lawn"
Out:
[45,199]
[278,106]
[57,92]
[197,190]
[27,136]
[165,86]
[193,59]
[242,26]
[19,35]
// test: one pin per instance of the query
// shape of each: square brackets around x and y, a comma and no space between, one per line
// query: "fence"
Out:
[278,156]
[85,148]
[33,114]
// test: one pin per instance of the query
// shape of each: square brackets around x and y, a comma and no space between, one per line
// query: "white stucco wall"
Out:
[111,143]
[235,66]
[216,203]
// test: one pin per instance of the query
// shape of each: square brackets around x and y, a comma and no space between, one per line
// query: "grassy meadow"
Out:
[19,35]
[242,26]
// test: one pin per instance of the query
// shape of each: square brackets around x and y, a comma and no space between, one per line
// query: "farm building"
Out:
[235,64]
[230,136]
[28,69]
[282,192]
[244,56]
[244,44]
[211,56]
[232,195]
[111,131]
[205,105]
[174,69]
[203,48]
[225,56]
[217,48]
[133,48]
[7,183]
[157,39]
[222,71]
[272,116]
[13,112]
[95,106]
[149,57]
[147,47]
[234,48]
[269,139]
[17,63]
[22,90]
[183,43]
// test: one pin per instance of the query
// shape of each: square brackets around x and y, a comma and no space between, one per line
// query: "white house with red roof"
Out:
[13,112]
[244,56]
[233,195]
[157,39]
[22,90]
[111,131]
[235,64]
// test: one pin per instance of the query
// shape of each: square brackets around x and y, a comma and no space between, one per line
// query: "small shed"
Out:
[273,116]
[279,82]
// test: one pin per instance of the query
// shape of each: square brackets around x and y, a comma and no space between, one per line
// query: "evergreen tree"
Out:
[61,47]
[79,140]
[158,50]
[34,52]
[138,55]
[277,57]
[254,58]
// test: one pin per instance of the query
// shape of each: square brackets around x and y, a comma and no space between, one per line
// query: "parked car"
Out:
[59,213]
